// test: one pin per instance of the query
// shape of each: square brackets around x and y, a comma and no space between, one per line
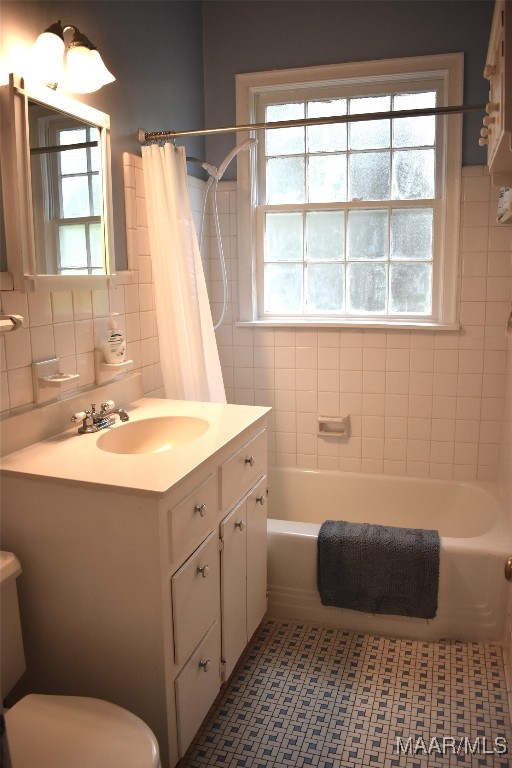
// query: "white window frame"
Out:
[251,88]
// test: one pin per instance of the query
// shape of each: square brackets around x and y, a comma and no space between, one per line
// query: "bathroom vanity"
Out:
[144,559]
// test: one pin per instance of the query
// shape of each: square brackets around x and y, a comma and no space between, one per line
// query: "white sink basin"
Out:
[162,433]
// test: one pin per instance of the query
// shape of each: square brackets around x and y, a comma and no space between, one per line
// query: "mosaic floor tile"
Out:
[310,696]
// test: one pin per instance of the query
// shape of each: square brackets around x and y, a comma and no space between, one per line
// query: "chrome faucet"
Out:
[107,409]
[93,421]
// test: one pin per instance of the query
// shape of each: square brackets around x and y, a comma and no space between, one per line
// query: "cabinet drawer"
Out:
[197,686]
[193,519]
[242,470]
[195,597]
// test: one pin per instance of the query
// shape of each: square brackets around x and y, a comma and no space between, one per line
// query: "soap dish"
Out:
[48,379]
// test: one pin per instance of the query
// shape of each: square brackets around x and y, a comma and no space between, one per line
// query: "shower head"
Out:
[217,173]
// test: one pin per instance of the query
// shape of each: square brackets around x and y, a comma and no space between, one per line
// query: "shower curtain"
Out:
[188,348]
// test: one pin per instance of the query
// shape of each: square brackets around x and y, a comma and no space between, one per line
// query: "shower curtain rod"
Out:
[171,135]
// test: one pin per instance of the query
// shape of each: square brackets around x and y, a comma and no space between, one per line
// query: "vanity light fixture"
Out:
[76,64]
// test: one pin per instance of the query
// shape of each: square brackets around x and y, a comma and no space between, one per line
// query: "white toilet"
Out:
[62,731]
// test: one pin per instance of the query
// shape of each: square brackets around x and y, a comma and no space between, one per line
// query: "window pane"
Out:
[283,288]
[411,233]
[324,235]
[411,288]
[414,131]
[72,245]
[96,195]
[94,135]
[327,138]
[73,161]
[366,287]
[367,234]
[327,178]
[324,288]
[283,237]
[369,176]
[75,197]
[95,245]
[413,174]
[372,134]
[285,180]
[284,141]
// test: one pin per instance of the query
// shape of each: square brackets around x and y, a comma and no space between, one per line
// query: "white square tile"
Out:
[395,427]
[18,351]
[39,308]
[100,303]
[20,386]
[62,306]
[43,343]
[64,334]
[444,407]
[82,305]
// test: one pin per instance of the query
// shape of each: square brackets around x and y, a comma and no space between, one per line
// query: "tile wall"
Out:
[71,324]
[421,403]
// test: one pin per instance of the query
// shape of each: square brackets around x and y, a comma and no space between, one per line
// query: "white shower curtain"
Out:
[188,348]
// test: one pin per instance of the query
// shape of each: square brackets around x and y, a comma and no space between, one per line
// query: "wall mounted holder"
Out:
[334,426]
[107,371]
[50,381]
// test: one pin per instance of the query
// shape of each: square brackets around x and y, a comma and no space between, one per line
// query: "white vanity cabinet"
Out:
[135,596]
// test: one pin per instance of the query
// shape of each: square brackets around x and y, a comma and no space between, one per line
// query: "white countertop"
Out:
[72,457]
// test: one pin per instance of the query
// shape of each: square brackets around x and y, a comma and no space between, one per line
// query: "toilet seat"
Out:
[77,732]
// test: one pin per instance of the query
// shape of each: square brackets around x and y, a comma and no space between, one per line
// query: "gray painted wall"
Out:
[154,49]
[251,36]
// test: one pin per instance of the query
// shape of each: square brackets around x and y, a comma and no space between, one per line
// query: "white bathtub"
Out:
[475,543]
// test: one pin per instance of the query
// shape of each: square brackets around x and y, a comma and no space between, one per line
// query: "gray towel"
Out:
[378,568]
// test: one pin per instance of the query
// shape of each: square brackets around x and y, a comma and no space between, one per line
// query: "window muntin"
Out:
[349,260]
[77,203]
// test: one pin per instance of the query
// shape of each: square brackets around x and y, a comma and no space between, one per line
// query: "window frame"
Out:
[255,89]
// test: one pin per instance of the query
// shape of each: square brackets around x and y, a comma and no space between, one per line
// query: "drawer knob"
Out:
[250,460]
[203,570]
[201,508]
[488,121]
[240,524]
[490,107]
[205,665]
[261,499]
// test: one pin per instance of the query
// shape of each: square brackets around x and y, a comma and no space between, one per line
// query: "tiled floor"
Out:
[306,695]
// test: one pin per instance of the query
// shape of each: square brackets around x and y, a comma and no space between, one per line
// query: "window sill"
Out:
[359,324]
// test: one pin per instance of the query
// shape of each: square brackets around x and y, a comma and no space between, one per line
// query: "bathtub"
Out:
[475,543]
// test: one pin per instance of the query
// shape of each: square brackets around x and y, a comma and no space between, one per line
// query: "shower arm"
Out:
[144,136]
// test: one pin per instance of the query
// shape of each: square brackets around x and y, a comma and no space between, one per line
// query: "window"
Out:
[71,225]
[351,222]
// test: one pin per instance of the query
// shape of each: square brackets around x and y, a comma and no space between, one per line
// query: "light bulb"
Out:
[47,58]
[85,70]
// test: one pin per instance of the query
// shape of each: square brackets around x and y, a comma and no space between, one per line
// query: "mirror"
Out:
[56,190]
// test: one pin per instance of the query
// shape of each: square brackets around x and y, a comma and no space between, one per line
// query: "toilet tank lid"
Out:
[10,567]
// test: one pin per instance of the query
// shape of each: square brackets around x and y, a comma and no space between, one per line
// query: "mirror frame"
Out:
[17,187]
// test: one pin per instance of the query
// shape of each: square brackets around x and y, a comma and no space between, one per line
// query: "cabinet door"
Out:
[233,532]
[195,598]
[197,686]
[256,556]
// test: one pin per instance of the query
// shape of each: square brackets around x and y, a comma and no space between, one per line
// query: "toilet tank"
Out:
[12,657]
